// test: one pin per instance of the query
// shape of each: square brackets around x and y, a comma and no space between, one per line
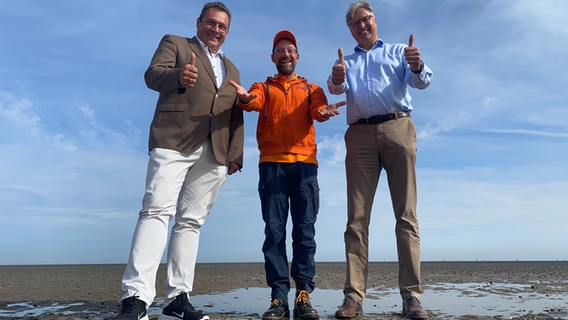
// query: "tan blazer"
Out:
[184,118]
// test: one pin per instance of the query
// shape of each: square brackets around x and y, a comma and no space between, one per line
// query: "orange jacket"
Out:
[285,124]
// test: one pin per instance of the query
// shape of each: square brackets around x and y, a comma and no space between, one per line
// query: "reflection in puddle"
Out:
[23,309]
[444,301]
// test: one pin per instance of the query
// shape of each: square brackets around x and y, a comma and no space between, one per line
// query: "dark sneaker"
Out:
[349,309]
[278,310]
[132,309]
[412,309]
[303,308]
[180,308]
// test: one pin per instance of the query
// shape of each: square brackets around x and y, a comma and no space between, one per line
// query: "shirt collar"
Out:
[281,78]
[204,46]
[377,45]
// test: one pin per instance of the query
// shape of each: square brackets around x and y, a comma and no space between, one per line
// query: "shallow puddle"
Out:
[507,300]
[443,301]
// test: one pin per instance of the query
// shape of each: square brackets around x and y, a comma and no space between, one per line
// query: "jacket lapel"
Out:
[202,56]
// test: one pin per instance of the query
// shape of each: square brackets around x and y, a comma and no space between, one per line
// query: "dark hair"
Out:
[215,5]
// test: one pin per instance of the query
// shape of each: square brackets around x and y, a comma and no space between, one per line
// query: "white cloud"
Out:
[22,124]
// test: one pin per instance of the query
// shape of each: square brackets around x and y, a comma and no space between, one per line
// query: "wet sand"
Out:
[76,292]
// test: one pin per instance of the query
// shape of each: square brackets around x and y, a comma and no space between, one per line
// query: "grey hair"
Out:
[361,4]
[215,5]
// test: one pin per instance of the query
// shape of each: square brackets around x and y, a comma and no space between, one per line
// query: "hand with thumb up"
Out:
[338,71]
[412,55]
[188,75]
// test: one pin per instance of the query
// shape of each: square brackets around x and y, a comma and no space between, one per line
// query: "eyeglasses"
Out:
[289,50]
[364,20]
[214,24]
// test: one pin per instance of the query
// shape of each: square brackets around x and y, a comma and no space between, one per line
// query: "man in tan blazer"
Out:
[196,140]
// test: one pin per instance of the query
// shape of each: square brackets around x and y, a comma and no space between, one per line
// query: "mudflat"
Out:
[452,290]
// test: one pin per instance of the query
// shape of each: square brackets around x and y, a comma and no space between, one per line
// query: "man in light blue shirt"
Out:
[376,79]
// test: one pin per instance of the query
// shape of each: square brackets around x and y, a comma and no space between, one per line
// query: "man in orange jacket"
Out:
[287,106]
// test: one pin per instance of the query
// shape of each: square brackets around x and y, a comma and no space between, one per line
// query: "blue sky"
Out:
[492,130]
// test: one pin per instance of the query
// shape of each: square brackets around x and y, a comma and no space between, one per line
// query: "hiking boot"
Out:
[278,310]
[412,309]
[303,308]
[180,308]
[349,309]
[132,309]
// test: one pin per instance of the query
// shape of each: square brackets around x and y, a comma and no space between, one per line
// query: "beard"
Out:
[286,69]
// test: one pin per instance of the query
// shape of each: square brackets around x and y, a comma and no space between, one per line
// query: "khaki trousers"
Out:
[390,145]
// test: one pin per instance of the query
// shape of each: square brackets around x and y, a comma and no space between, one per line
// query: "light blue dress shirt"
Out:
[377,81]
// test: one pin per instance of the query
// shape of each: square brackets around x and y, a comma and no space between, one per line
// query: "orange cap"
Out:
[284,34]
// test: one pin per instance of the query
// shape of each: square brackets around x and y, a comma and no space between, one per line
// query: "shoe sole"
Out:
[285,316]
[414,318]
[166,317]
[306,317]
[406,316]
[145,318]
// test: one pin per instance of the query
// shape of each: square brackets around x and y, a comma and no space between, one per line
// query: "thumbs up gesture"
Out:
[412,55]
[188,75]
[338,71]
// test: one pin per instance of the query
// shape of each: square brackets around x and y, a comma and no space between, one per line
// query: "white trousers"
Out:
[178,185]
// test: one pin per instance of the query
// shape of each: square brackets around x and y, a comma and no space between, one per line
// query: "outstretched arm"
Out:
[331,110]
[244,96]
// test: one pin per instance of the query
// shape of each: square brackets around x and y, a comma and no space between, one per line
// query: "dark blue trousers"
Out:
[293,187]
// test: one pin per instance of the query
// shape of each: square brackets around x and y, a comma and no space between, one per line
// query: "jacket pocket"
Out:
[170,116]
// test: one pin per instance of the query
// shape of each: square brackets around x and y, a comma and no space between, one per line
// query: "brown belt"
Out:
[382,118]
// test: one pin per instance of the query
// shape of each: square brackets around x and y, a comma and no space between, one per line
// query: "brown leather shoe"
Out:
[349,309]
[412,309]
